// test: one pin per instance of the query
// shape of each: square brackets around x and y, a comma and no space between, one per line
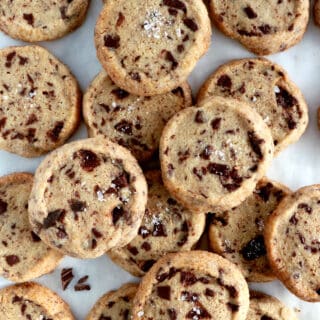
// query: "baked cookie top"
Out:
[41,20]
[263,27]
[40,101]
[132,121]
[16,263]
[166,227]
[114,305]
[150,47]
[292,242]
[266,87]
[192,285]
[88,196]
[237,234]
[222,143]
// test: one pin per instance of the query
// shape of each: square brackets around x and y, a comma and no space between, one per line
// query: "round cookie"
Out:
[166,227]
[292,242]
[151,47]
[16,263]
[32,301]
[115,304]
[263,27]
[132,121]
[223,144]
[317,12]
[265,307]
[39,101]
[41,20]
[237,234]
[88,197]
[266,87]
[192,285]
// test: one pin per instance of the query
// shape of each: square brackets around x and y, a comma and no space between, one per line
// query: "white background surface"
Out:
[297,166]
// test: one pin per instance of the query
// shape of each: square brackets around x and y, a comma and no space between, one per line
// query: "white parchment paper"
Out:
[297,166]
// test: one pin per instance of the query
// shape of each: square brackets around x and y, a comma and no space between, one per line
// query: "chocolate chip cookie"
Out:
[88,197]
[266,87]
[115,304]
[293,245]
[166,227]
[132,121]
[39,101]
[237,234]
[32,301]
[317,12]
[223,144]
[263,27]
[192,285]
[150,47]
[41,20]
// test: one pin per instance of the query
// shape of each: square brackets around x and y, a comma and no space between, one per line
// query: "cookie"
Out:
[41,20]
[317,12]
[265,307]
[192,285]
[223,144]
[150,48]
[166,227]
[32,301]
[292,242]
[263,27]
[237,234]
[115,304]
[16,263]
[40,101]
[132,121]
[88,197]
[266,87]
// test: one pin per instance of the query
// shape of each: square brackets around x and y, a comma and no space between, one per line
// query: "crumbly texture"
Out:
[317,12]
[150,47]
[265,307]
[32,301]
[195,285]
[88,197]
[237,234]
[114,305]
[292,242]
[266,87]
[41,20]
[222,143]
[263,27]
[39,101]
[17,264]
[166,227]
[132,121]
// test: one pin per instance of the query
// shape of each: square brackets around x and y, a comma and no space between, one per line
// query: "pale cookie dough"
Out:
[266,87]
[41,20]
[16,263]
[237,234]
[263,27]
[192,285]
[88,197]
[114,305]
[132,121]
[166,227]
[151,47]
[33,302]
[39,101]
[223,144]
[293,245]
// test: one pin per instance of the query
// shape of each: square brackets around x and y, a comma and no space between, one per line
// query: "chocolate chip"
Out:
[121,181]
[3,122]
[29,18]
[199,118]
[183,155]
[218,169]
[178,91]
[215,123]
[164,292]
[255,143]
[265,29]
[188,278]
[66,277]
[146,246]
[31,119]
[172,313]
[12,260]
[250,13]
[169,57]
[3,206]
[124,126]
[35,237]
[166,275]
[112,41]
[96,233]
[54,133]
[177,4]
[224,81]
[63,12]
[53,217]
[147,265]
[293,220]
[120,93]
[254,249]
[88,160]
[144,232]
[133,250]
[306,207]
[265,191]
[190,23]
[209,293]
[285,99]
[120,20]
[77,206]
[118,213]
[135,76]
[9,59]
[233,307]
[159,230]
[171,202]
[198,312]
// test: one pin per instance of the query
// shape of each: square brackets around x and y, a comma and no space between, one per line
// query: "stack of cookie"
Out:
[98,195]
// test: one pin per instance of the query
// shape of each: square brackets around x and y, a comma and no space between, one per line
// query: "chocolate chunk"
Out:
[264,317]
[53,217]
[169,57]
[35,237]
[183,155]
[147,265]
[120,20]
[66,277]
[171,202]
[164,292]
[265,29]
[3,206]
[265,191]
[188,278]
[177,4]
[144,232]
[54,133]
[112,41]
[232,291]
[190,23]
[124,126]
[224,81]
[199,118]
[9,59]
[233,307]
[88,160]
[146,246]
[63,12]
[77,206]
[82,287]
[121,181]
[133,250]
[96,233]
[218,169]
[198,312]
[159,230]
[29,18]
[255,143]
[12,260]
[209,293]
[172,313]
[178,91]
[3,122]
[254,249]
[215,123]
[250,13]
[285,99]
[120,93]
[306,207]
[118,213]
[293,220]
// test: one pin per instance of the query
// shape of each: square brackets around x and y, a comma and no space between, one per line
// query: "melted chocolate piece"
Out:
[172,313]
[199,118]
[112,42]
[77,206]
[54,133]
[52,218]
[124,126]
[164,292]
[88,160]
[215,123]
[265,191]
[250,13]
[285,99]
[35,237]
[3,206]
[225,81]
[190,23]
[118,213]
[255,143]
[120,93]
[254,249]
[12,260]
[29,18]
